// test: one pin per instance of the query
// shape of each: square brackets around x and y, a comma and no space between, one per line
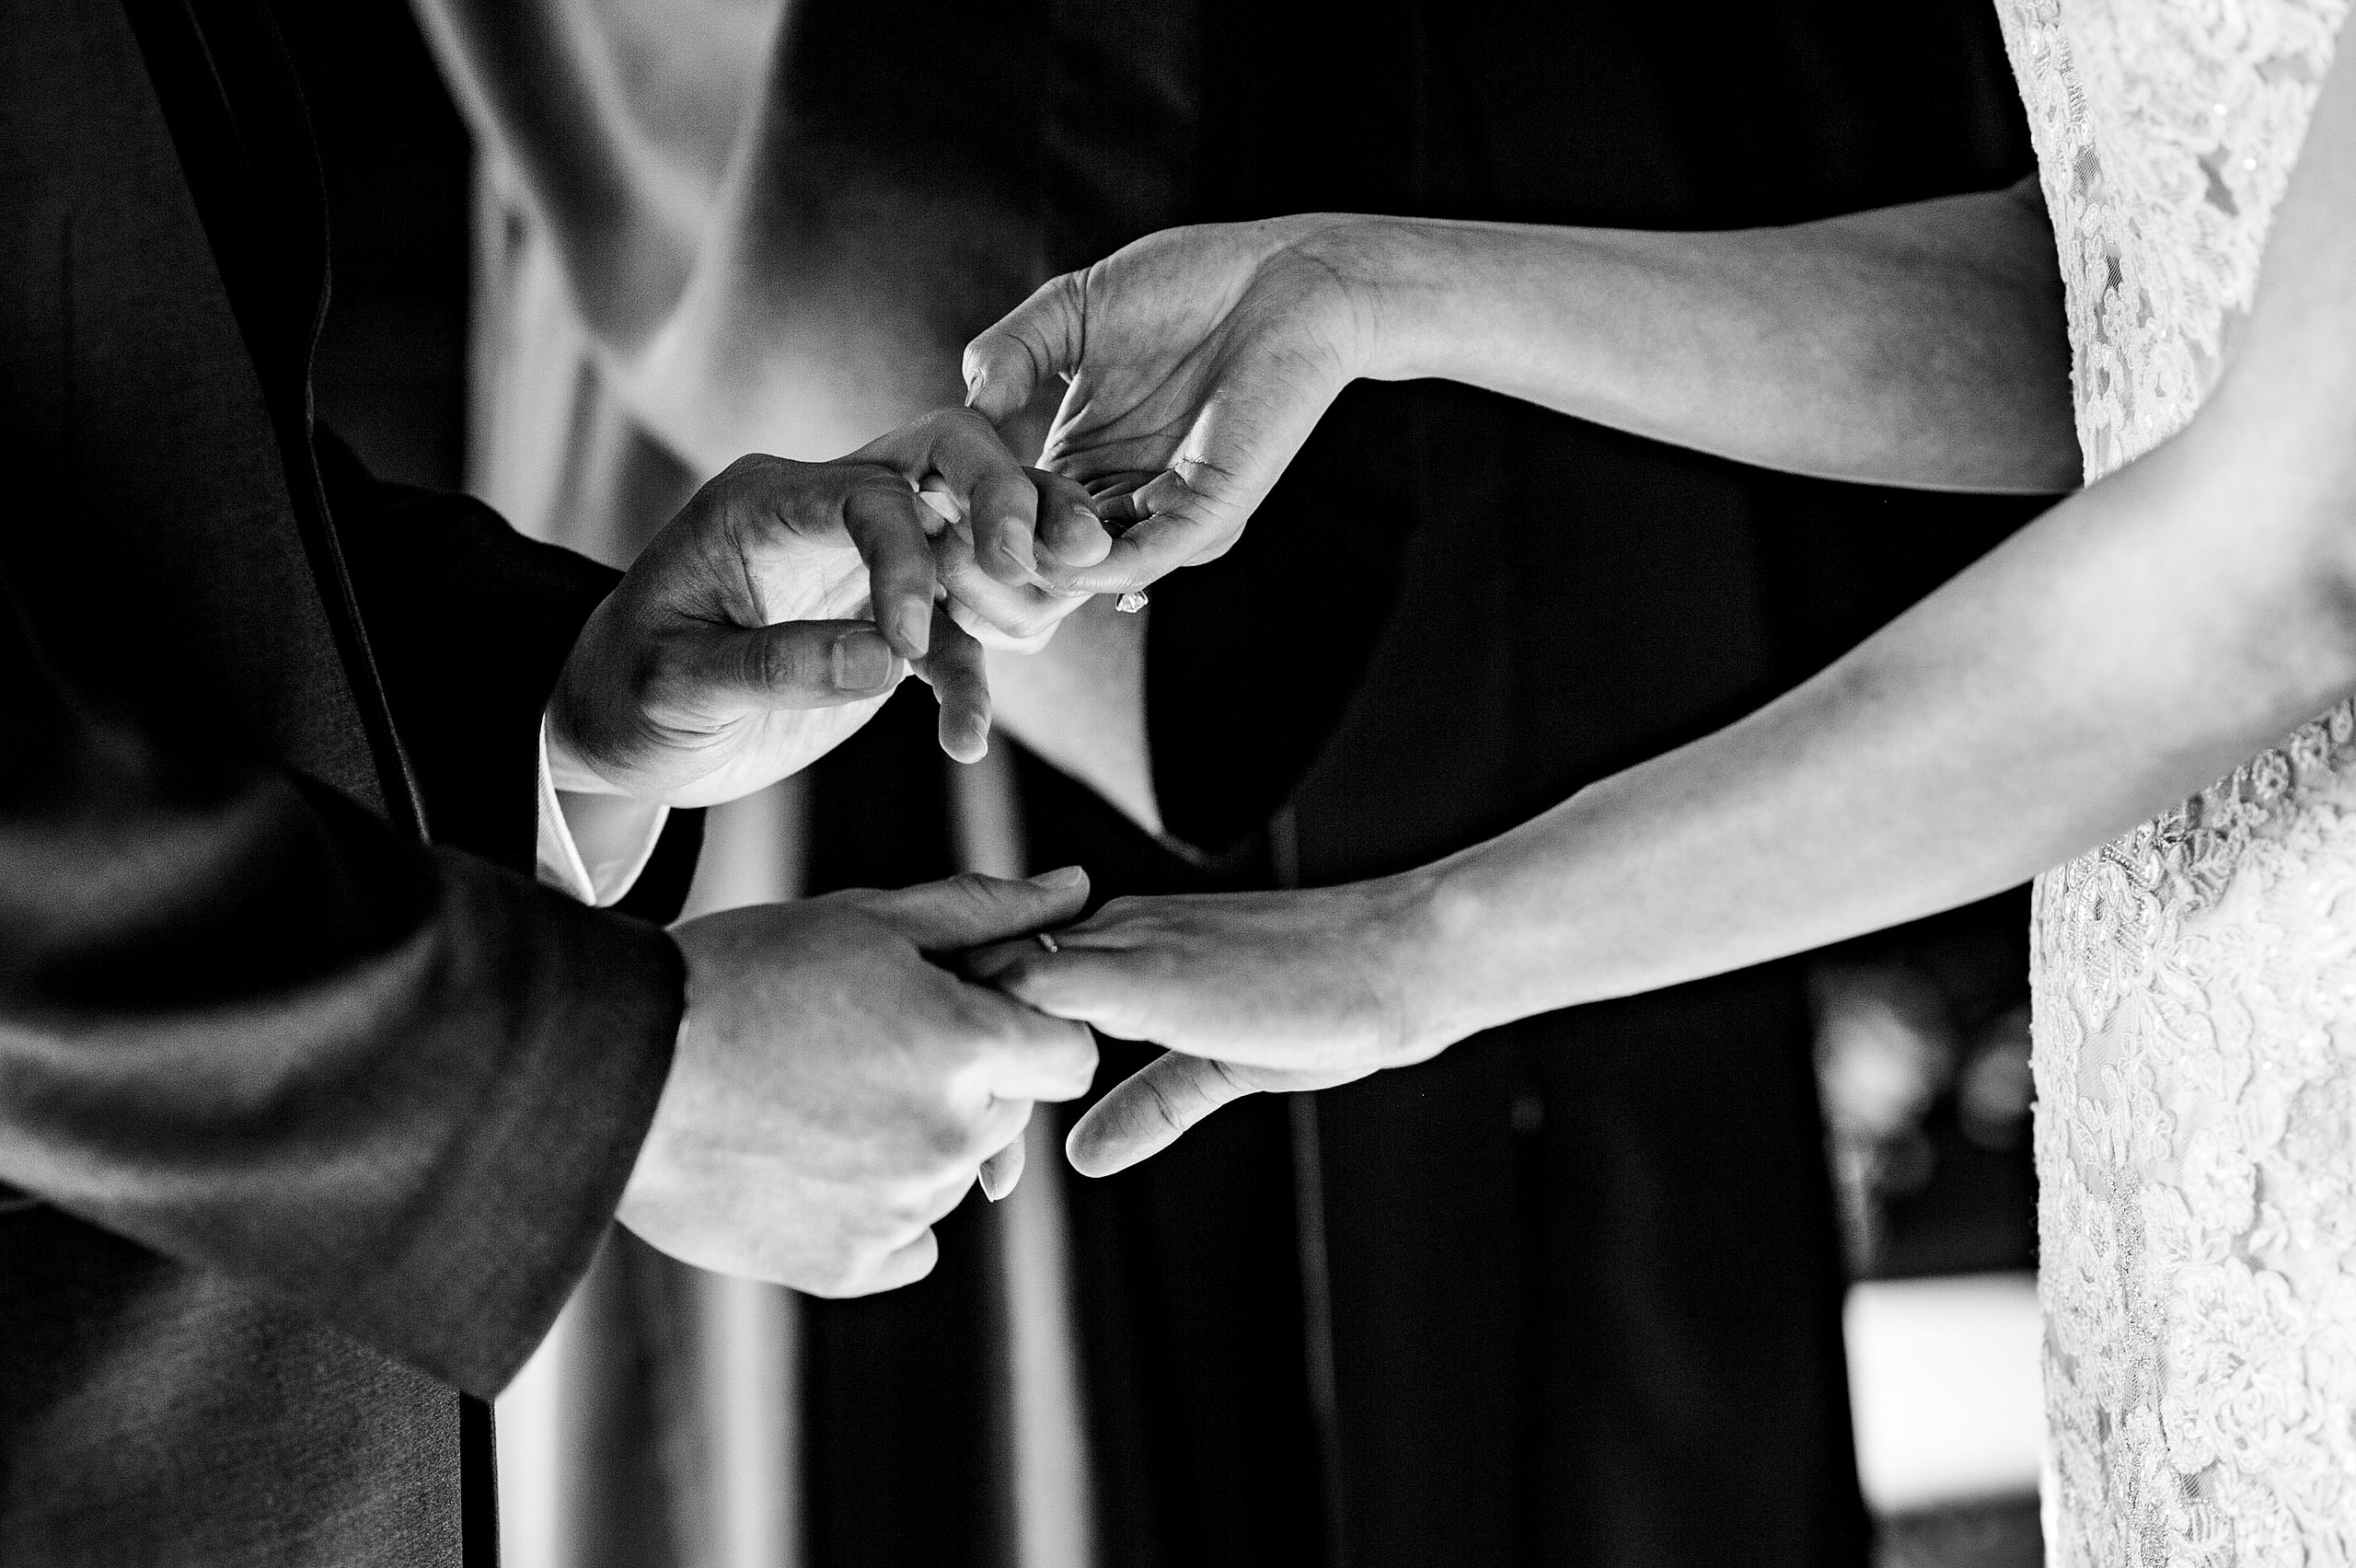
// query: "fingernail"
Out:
[1061,877]
[989,1185]
[915,622]
[862,661]
[1014,539]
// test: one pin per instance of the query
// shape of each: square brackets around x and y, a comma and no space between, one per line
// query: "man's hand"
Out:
[835,1092]
[776,613]
[1199,361]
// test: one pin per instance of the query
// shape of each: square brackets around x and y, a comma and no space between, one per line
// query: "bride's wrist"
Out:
[1430,949]
[1472,955]
[1381,293]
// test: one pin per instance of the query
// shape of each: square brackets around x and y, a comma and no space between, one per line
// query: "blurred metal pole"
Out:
[748,1334]
[1309,1221]
[740,1504]
[749,1364]
[1046,1428]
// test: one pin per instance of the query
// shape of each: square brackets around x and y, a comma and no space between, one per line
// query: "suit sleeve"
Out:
[470,622]
[246,1025]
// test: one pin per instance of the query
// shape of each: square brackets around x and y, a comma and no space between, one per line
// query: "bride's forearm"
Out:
[2128,650]
[2130,647]
[1921,345]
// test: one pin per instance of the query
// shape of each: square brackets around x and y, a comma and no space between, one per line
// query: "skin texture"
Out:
[2134,645]
[835,1092]
[777,611]
[1919,346]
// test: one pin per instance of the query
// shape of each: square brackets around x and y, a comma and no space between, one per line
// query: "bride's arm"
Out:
[1921,345]
[2126,649]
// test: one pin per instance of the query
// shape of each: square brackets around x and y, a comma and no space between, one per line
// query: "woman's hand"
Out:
[1199,361]
[1252,992]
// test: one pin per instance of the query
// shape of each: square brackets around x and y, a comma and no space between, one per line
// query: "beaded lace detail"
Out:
[2195,981]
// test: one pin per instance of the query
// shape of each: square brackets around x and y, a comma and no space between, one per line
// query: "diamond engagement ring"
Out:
[1130,603]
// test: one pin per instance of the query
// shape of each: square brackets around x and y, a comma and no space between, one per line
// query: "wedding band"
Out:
[1130,603]
[1048,941]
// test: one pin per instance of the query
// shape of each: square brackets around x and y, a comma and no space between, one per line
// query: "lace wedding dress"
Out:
[2196,981]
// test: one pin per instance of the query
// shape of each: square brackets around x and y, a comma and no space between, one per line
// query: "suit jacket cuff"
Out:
[523,1198]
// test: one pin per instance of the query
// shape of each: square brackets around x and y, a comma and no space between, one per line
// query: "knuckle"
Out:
[841,1273]
[1080,1062]
[1152,1103]
[943,1138]
[953,1141]
[973,889]
[783,664]
[966,421]
[658,677]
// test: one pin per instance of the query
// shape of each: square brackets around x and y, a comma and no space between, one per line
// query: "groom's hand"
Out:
[1197,360]
[835,1091]
[776,613]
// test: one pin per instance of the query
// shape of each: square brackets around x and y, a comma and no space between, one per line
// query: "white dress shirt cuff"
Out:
[593,846]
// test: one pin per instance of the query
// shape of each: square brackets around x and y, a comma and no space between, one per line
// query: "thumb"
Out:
[1039,338]
[1147,1112]
[966,911]
[1150,1109]
[794,664]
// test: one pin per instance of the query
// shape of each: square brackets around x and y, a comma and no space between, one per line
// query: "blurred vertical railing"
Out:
[1045,1424]
[732,1490]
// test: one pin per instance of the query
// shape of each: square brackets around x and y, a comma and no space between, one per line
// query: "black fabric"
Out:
[220,72]
[907,1462]
[1187,1277]
[305,1126]
[365,1108]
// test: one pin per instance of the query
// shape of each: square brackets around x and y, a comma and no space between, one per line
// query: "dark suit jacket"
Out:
[312,1105]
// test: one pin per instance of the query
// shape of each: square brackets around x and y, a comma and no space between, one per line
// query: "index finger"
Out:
[1039,338]
[1030,1055]
[957,450]
[885,522]
[960,678]
[1011,509]
[1000,500]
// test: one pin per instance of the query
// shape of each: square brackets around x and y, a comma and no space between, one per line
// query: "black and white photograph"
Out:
[1177,784]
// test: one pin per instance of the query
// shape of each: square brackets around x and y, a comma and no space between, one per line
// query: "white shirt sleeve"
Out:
[593,846]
